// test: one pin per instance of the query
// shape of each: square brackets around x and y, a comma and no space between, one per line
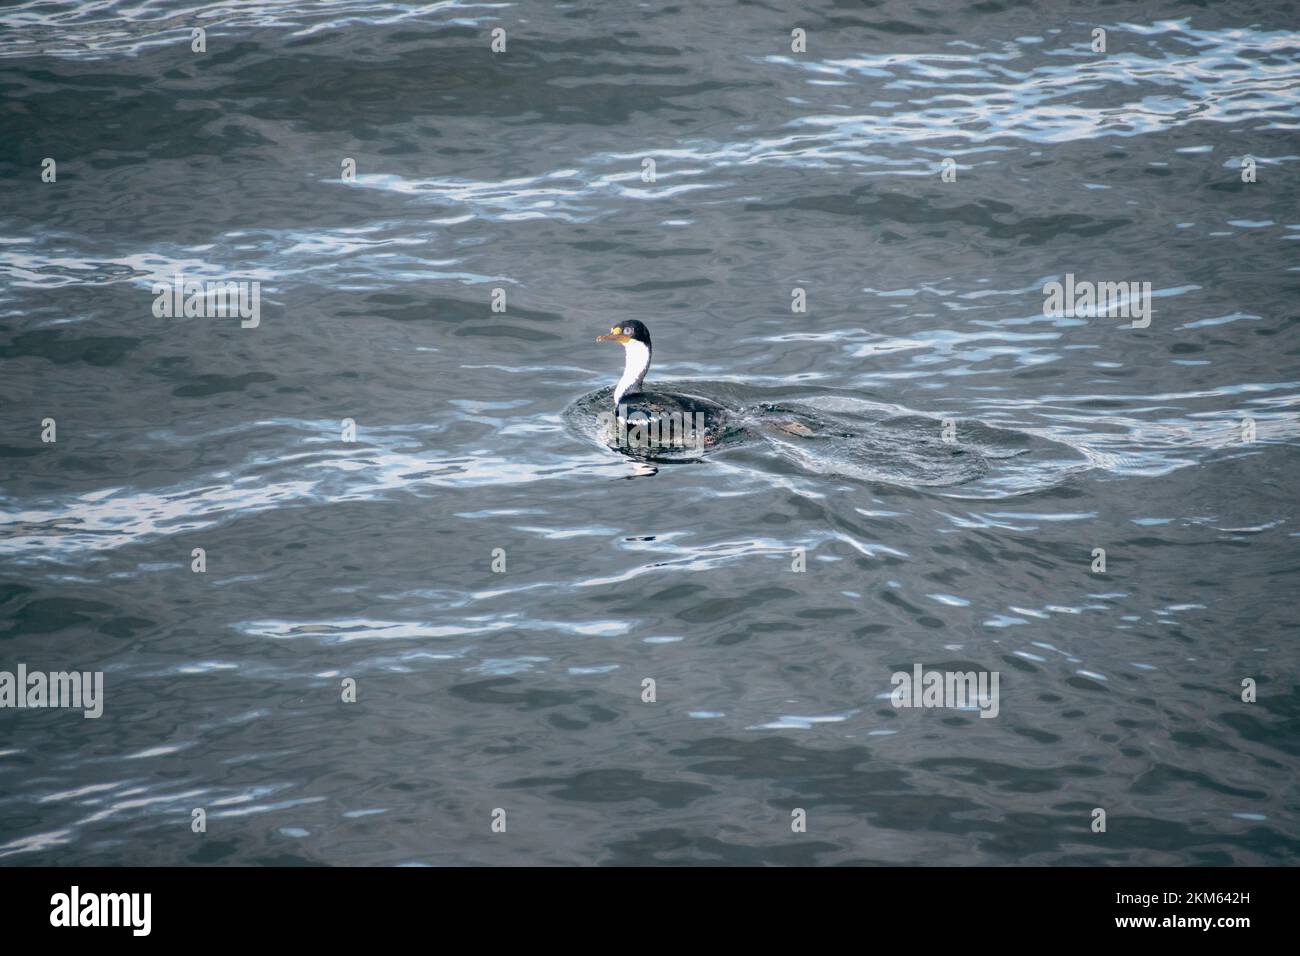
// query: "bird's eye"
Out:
[627,330]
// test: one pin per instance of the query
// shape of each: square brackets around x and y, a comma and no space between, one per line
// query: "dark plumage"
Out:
[657,418]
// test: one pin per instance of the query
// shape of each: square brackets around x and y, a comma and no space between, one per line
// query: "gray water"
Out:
[521,690]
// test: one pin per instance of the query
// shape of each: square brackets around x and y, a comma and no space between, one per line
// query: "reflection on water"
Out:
[923,469]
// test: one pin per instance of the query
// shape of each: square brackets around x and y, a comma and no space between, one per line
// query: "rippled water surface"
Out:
[522,690]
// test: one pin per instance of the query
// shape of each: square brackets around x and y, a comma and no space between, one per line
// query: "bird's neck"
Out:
[636,363]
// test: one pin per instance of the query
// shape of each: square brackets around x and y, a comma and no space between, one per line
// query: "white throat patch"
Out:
[635,363]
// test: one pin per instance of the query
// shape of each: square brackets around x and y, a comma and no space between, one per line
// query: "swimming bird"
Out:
[657,418]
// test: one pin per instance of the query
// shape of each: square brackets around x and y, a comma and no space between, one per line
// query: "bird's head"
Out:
[630,331]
